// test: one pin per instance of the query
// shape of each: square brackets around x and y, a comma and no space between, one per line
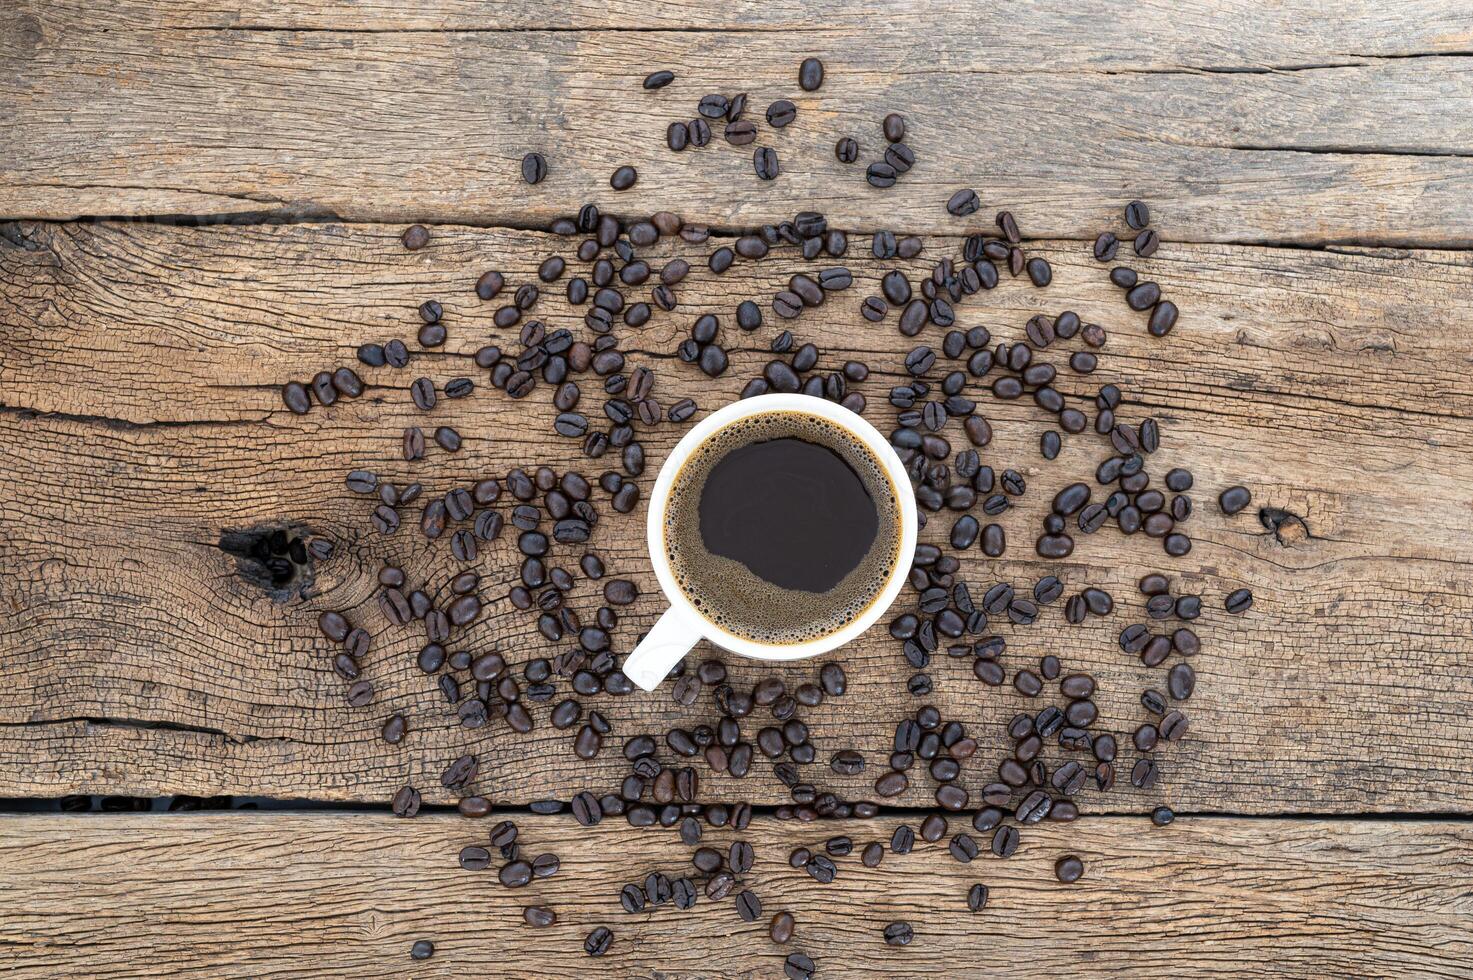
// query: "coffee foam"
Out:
[730,594]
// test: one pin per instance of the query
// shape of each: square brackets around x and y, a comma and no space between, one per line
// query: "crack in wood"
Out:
[139,724]
[316,216]
[1331,149]
[122,425]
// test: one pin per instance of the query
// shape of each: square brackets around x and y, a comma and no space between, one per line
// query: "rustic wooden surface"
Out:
[1310,174]
[144,664]
[352,892]
[1240,125]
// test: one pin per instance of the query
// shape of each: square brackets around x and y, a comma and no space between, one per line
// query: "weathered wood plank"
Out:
[138,895]
[129,120]
[139,662]
[1090,33]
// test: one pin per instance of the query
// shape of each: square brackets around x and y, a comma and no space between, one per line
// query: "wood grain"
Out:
[1299,130]
[1090,33]
[140,367]
[138,895]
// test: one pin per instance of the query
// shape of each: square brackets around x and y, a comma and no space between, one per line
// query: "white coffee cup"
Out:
[683,626]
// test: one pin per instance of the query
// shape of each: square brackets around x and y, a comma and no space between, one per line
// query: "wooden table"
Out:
[207,201]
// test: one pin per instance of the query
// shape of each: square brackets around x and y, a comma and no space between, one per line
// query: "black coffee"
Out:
[782,527]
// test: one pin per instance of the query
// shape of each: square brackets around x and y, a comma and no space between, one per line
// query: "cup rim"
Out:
[758,405]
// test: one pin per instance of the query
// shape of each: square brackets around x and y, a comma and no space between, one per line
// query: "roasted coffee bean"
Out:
[1068,869]
[810,75]
[1163,318]
[963,203]
[415,237]
[1180,681]
[900,158]
[406,802]
[748,906]
[623,178]
[821,869]
[781,113]
[538,916]
[1234,499]
[534,168]
[898,934]
[880,175]
[713,106]
[396,355]
[1143,295]
[597,942]
[798,967]
[1040,273]
[764,162]
[296,398]
[846,150]
[1137,215]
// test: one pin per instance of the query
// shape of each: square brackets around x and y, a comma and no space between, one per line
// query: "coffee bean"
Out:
[534,168]
[748,906]
[781,929]
[538,916]
[821,869]
[294,395]
[1163,318]
[880,175]
[714,106]
[781,113]
[1005,841]
[623,178]
[810,74]
[740,133]
[1068,869]
[415,237]
[1146,243]
[1040,273]
[1137,215]
[1143,296]
[846,150]
[406,802]
[658,79]
[1234,499]
[798,967]
[1181,680]
[963,203]
[597,942]
[898,934]
[1162,815]
[963,848]
[764,161]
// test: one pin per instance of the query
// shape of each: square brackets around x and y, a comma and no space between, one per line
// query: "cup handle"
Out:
[662,648]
